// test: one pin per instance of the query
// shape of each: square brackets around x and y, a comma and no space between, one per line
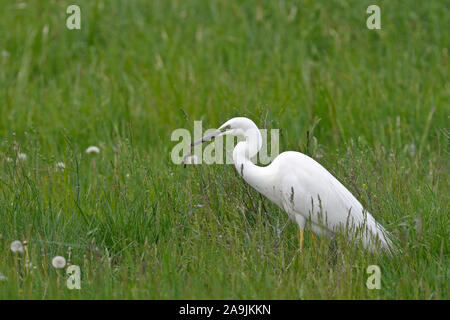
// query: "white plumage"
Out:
[310,194]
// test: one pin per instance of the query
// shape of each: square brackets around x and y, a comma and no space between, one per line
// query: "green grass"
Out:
[140,226]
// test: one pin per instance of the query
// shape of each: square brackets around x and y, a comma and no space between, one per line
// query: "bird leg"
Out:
[301,239]
[314,240]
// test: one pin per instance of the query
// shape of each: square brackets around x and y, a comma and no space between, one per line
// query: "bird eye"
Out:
[225,128]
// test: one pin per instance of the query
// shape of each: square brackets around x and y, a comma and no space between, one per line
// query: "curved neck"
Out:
[245,150]
[242,154]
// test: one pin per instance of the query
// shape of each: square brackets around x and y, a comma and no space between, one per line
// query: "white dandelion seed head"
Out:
[93,149]
[22,156]
[3,277]
[60,165]
[59,262]
[16,246]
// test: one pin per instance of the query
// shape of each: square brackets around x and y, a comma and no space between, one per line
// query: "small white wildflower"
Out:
[16,246]
[412,149]
[292,14]
[59,262]
[8,159]
[3,277]
[92,149]
[22,156]
[45,30]
[159,62]
[60,165]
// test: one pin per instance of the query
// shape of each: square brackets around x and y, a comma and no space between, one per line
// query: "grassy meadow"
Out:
[375,102]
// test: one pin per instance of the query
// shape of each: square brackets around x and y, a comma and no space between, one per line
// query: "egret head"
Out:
[238,126]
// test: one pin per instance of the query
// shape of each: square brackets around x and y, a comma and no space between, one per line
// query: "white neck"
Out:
[242,154]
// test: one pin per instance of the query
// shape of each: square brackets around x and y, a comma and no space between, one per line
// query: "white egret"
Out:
[310,194]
